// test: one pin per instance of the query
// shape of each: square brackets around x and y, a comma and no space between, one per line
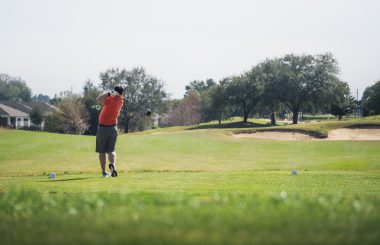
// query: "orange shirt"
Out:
[111,110]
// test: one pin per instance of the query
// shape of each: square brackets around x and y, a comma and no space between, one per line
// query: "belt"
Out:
[107,126]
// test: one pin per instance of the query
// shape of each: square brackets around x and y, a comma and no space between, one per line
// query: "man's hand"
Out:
[113,93]
[102,98]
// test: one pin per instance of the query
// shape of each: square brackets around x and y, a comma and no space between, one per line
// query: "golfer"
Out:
[106,136]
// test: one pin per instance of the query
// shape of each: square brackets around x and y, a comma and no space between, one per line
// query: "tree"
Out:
[41,98]
[191,108]
[269,103]
[90,93]
[200,86]
[298,80]
[371,100]
[12,88]
[56,100]
[342,103]
[267,108]
[36,116]
[176,113]
[217,105]
[244,91]
[146,91]
[74,117]
[203,88]
[53,122]
[186,111]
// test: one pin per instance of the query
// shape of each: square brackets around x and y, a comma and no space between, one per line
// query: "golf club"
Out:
[148,112]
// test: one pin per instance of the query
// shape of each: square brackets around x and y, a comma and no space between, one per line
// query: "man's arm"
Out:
[102,98]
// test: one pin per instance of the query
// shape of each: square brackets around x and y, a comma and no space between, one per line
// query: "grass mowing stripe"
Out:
[354,183]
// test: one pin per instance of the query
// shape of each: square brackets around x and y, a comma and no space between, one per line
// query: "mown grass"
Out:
[319,129]
[218,218]
[249,207]
[31,153]
[188,187]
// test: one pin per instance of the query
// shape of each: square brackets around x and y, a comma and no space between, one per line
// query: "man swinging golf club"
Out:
[106,136]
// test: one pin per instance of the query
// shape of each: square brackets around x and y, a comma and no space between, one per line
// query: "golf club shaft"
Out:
[147,112]
[130,101]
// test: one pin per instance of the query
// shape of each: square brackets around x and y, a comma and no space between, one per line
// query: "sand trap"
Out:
[275,136]
[338,134]
[354,134]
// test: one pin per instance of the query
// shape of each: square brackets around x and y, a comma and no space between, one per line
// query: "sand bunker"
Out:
[275,136]
[338,134]
[354,134]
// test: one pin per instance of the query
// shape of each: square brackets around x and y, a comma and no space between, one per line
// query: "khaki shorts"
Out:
[106,138]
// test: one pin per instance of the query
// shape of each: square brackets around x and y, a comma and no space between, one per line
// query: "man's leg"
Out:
[112,157]
[101,143]
[102,160]
[112,161]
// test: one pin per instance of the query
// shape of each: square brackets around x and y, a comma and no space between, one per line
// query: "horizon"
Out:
[56,46]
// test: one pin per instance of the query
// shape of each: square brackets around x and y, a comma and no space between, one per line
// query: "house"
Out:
[159,120]
[17,114]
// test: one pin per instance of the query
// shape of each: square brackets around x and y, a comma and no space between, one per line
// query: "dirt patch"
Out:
[338,134]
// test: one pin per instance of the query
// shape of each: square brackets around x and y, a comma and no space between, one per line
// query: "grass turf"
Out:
[188,187]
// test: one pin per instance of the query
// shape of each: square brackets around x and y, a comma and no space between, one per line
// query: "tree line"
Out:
[78,113]
[292,84]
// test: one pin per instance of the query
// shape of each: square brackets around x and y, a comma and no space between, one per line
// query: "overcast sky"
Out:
[57,45]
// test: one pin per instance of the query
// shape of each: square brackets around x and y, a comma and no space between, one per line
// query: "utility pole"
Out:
[357,106]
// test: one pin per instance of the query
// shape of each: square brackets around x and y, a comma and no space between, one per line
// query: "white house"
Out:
[12,117]
[17,114]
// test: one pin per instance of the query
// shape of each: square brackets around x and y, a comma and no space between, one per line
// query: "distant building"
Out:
[158,120]
[17,114]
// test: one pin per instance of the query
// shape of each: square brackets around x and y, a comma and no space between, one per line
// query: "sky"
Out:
[57,45]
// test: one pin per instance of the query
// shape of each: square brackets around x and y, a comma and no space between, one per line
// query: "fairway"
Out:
[188,187]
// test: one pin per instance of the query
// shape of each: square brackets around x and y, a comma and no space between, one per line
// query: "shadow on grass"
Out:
[230,125]
[60,180]
[364,125]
